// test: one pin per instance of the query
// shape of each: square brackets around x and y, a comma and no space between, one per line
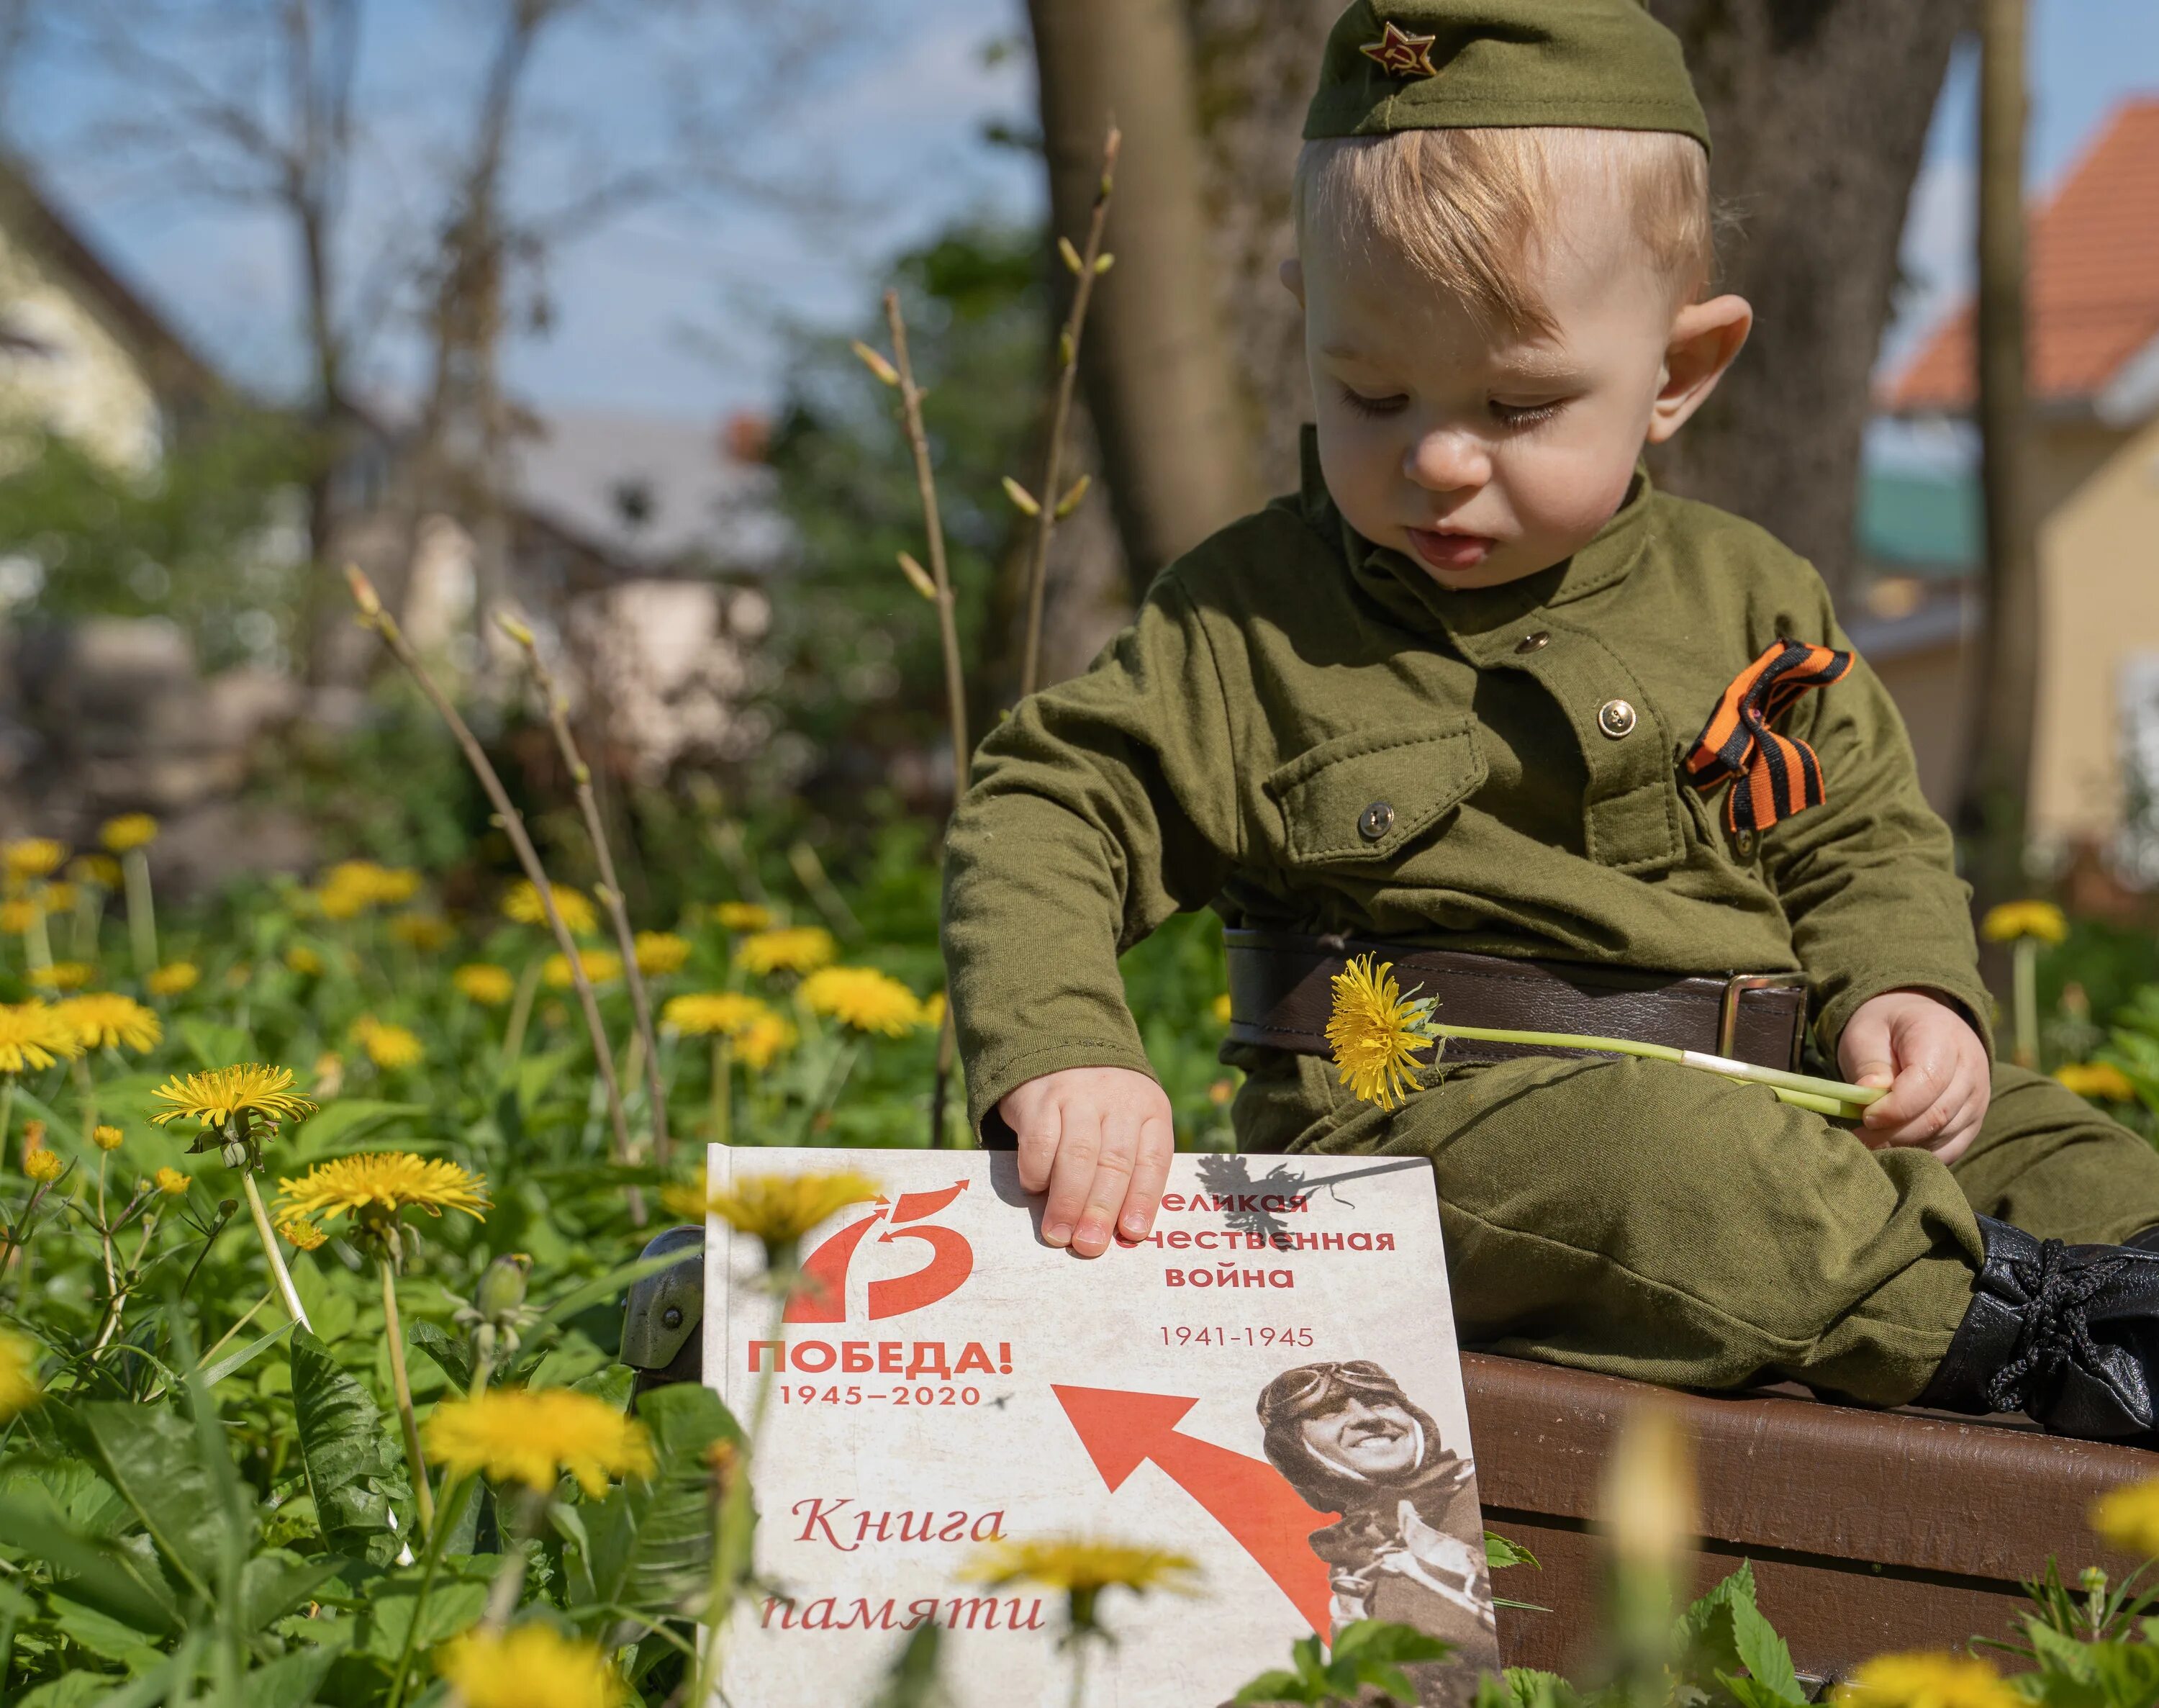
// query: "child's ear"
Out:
[1705,337]
[1292,276]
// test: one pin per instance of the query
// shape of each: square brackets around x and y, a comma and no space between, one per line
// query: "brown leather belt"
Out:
[1280,995]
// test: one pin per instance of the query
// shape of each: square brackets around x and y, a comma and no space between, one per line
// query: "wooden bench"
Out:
[1868,1531]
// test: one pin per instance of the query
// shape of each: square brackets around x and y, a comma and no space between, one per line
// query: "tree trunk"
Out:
[1817,110]
[1155,365]
[2005,686]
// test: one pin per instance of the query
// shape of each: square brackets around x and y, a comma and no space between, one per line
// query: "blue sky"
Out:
[679,309]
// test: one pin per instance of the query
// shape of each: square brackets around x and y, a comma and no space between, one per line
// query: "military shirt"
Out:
[1307,732]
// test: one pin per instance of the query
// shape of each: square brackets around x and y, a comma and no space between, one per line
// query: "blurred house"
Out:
[2093,309]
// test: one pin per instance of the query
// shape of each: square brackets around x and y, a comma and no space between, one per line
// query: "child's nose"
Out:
[1447,462]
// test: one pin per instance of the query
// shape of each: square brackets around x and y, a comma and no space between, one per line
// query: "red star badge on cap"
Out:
[1401,55]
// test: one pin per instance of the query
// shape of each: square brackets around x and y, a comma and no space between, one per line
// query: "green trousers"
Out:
[1649,1220]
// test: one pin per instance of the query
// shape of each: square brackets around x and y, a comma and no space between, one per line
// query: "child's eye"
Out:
[1524,414]
[1357,403]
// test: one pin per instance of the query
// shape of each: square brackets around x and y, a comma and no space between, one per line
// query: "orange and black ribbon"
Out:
[1773,776]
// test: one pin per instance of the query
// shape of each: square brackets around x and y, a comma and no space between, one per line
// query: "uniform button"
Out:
[1533,643]
[1615,717]
[1375,820]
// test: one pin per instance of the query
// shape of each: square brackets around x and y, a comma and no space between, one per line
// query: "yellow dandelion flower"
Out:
[302,1235]
[130,829]
[1934,1680]
[485,983]
[390,1048]
[18,1375]
[16,917]
[1222,1009]
[932,1009]
[660,953]
[59,896]
[742,916]
[703,1013]
[2100,1080]
[535,1436]
[780,1209]
[63,975]
[522,903]
[2011,920]
[531,1666]
[2128,1518]
[764,1040]
[377,1186]
[33,1035]
[1375,1032]
[425,931]
[174,979]
[214,1098]
[107,1138]
[1081,1566]
[97,871]
[795,948]
[602,966]
[106,1021]
[31,858]
[396,884]
[171,1183]
[304,960]
[864,998]
[42,1166]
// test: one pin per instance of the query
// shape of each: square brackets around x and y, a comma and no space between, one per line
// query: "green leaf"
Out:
[450,1354]
[107,1576]
[1767,1658]
[648,1542]
[275,1582]
[101,1633]
[912,1681]
[80,1690]
[291,1682]
[153,1456]
[1704,1636]
[1499,1553]
[344,1126]
[1382,1640]
[458,1597]
[352,1471]
[240,1358]
[215,1045]
[1276,1686]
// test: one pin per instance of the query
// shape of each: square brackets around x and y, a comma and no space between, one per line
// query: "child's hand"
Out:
[1100,1140]
[1934,1064]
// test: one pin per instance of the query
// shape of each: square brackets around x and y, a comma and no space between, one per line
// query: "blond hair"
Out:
[1467,209]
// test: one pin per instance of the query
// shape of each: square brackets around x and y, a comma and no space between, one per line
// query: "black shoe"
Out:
[2067,1335]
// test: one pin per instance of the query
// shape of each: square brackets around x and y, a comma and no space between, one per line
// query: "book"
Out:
[1267,1384]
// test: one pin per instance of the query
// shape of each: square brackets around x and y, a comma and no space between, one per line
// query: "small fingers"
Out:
[1079,1147]
[1106,1194]
[1912,1094]
[1037,1122]
[1149,1174]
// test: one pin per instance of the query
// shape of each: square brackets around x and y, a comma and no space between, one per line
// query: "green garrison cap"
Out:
[1452,65]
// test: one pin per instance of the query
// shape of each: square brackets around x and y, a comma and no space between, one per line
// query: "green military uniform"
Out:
[1286,677]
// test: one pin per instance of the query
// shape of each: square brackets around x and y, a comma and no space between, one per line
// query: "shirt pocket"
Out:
[1361,797]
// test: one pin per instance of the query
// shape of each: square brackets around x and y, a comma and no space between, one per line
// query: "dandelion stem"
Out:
[1803,1089]
[512,821]
[264,1232]
[393,1329]
[610,887]
[2024,965]
[142,911]
[37,943]
[509,1577]
[1049,500]
[722,1087]
[455,1494]
[520,1014]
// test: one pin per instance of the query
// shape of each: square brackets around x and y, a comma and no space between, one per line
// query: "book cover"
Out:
[1269,1385]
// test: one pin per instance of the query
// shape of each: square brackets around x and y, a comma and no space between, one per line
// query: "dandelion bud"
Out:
[363,592]
[875,363]
[42,1166]
[918,578]
[106,1138]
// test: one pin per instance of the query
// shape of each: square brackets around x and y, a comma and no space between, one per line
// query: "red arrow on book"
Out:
[1247,1497]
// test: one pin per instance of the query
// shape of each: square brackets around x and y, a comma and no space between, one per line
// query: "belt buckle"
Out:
[1727,1008]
